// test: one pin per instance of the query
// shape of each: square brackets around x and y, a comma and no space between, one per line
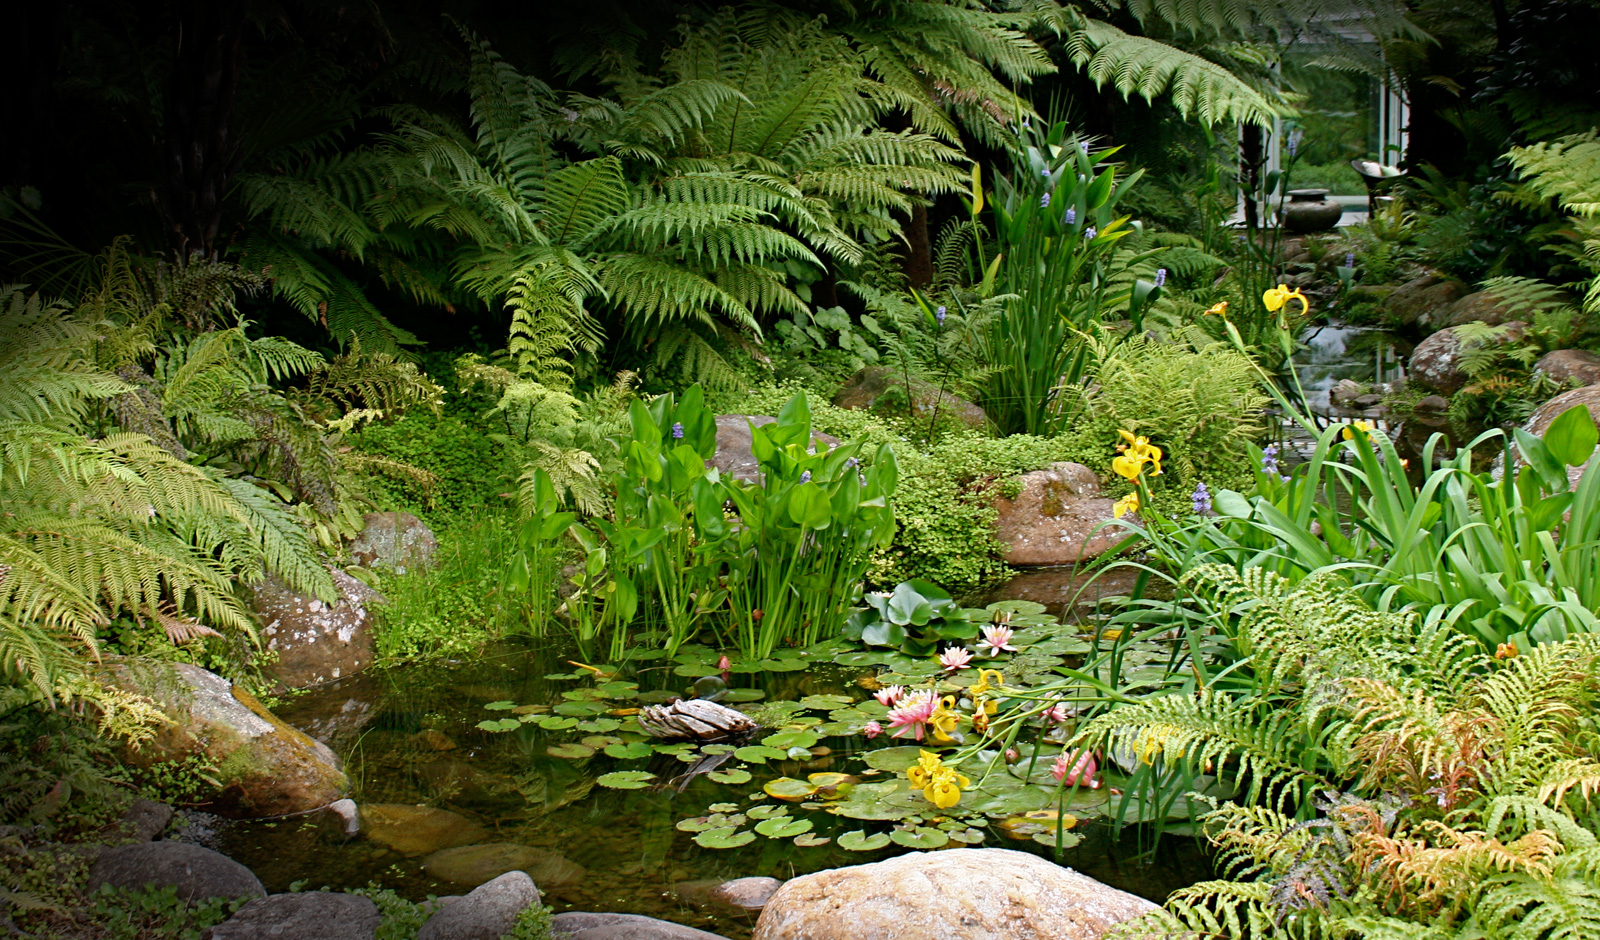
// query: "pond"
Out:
[417,739]
[1335,352]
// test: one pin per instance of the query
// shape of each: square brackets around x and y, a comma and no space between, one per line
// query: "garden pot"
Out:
[1310,210]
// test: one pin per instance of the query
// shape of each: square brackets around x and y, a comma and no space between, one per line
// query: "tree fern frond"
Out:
[1143,66]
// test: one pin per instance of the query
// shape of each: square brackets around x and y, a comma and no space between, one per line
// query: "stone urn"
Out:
[1310,210]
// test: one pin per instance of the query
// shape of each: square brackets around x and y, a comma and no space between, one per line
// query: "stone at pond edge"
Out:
[975,894]
[397,541]
[487,913]
[308,915]
[581,925]
[267,768]
[196,872]
[746,894]
[863,390]
[477,864]
[144,820]
[1481,306]
[1548,412]
[1436,362]
[316,643]
[1564,365]
[1423,301]
[734,457]
[1053,519]
[418,830]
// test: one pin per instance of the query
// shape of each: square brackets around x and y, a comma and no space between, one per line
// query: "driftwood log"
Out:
[696,719]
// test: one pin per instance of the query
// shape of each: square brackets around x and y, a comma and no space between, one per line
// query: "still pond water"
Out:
[410,737]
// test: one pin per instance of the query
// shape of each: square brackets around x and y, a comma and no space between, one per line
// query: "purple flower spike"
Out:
[677,432]
[1090,232]
[939,314]
[1161,281]
[1350,259]
[1201,499]
[1293,145]
[1044,201]
[805,477]
[1070,216]
[1269,458]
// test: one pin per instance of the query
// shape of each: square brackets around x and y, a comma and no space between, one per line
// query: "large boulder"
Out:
[1436,362]
[396,541]
[478,864]
[195,872]
[1539,422]
[307,915]
[974,894]
[267,768]
[1570,365]
[1423,301]
[489,912]
[734,456]
[1483,307]
[867,388]
[418,830]
[581,925]
[316,643]
[1052,521]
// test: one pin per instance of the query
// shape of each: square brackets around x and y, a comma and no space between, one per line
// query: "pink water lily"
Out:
[1077,768]
[914,711]
[1057,713]
[872,729]
[889,695]
[996,638]
[955,658]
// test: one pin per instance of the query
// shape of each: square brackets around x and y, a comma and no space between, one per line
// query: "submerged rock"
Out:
[267,768]
[307,915]
[581,925]
[397,541]
[196,873]
[418,830]
[336,713]
[477,864]
[489,912]
[1053,520]
[316,643]
[975,894]
[866,388]
[745,894]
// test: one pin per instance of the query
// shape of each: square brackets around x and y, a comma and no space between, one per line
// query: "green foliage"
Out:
[461,602]
[156,913]
[56,772]
[914,618]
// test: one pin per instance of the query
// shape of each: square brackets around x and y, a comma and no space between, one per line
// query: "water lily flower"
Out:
[955,658]
[912,714]
[890,695]
[1013,755]
[1126,504]
[1057,713]
[872,729]
[996,639]
[1076,769]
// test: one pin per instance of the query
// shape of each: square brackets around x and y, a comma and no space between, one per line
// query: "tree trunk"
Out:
[918,265]
[199,113]
[1250,160]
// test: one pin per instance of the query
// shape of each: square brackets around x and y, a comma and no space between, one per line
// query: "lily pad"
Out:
[1025,608]
[767,811]
[500,724]
[832,785]
[859,841]
[1068,839]
[500,706]
[782,827]
[893,759]
[581,709]
[694,824]
[723,807]
[601,725]
[825,702]
[743,695]
[788,788]
[632,750]
[557,723]
[842,729]
[967,836]
[570,751]
[788,739]
[784,665]
[599,741]
[725,838]
[863,659]
[736,775]
[921,837]
[626,779]
[809,839]
[696,670]
[757,754]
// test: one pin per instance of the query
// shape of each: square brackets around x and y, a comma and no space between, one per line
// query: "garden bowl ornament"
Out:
[1310,210]
[695,719]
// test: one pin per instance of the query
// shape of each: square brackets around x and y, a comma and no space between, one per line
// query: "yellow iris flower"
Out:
[983,684]
[1137,451]
[1277,297]
[940,785]
[1364,427]
[1125,505]
[1219,309]
[944,719]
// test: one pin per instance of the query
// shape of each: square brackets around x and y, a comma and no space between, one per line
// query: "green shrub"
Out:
[456,606]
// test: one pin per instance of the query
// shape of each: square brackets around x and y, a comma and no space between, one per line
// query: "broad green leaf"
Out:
[921,837]
[557,723]
[767,811]
[735,775]
[500,724]
[859,841]
[782,827]
[892,759]
[633,750]
[809,839]
[500,706]
[1571,438]
[788,739]
[758,754]
[724,838]
[788,788]
[626,779]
